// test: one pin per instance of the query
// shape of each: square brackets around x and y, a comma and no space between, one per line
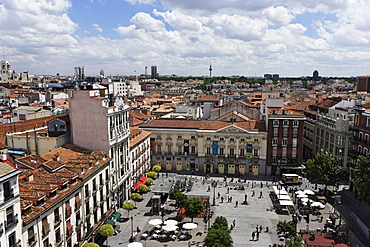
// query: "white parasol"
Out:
[301,195]
[318,205]
[155,222]
[169,228]
[171,222]
[135,244]
[189,226]
[309,192]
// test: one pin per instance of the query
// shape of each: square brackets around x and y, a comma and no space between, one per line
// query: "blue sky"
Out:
[239,37]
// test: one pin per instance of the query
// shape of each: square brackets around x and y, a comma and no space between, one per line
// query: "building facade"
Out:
[99,122]
[10,214]
[237,148]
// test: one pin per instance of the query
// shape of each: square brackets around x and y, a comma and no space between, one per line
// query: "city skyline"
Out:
[183,37]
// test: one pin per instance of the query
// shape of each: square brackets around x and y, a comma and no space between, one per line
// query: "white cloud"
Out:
[145,21]
[141,1]
[180,21]
[96,27]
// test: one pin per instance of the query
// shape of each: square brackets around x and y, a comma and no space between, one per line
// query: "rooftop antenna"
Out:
[210,70]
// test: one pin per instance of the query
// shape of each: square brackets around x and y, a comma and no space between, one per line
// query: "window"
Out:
[208,150]
[221,151]
[242,152]
[242,140]
[294,152]
[222,139]
[192,137]
[179,137]
[285,132]
[22,116]
[256,140]
[255,152]
[284,151]
[285,123]
[276,122]
[193,149]
[232,151]
[208,138]
[295,123]
[274,141]
[285,142]
[232,139]
[169,149]
[295,141]
[179,149]
[274,151]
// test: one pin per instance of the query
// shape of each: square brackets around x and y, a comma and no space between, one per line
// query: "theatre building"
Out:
[210,146]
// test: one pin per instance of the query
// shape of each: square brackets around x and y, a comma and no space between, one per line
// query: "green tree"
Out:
[156,168]
[218,238]
[173,194]
[106,231]
[163,213]
[194,206]
[294,242]
[181,200]
[135,197]
[128,206]
[362,178]
[148,181]
[142,188]
[151,174]
[91,244]
[288,228]
[324,168]
[220,223]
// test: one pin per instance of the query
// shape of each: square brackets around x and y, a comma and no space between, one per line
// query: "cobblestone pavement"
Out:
[258,211]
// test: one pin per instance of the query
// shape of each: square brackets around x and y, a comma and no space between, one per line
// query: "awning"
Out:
[137,184]
[143,178]
[116,215]
[110,222]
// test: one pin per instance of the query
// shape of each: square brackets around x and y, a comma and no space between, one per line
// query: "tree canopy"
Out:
[324,168]
[294,242]
[219,234]
[288,228]
[194,206]
[148,181]
[91,244]
[156,168]
[142,188]
[362,178]
[128,206]
[179,197]
[135,196]
[151,174]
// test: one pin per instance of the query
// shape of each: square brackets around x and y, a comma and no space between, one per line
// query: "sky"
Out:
[182,37]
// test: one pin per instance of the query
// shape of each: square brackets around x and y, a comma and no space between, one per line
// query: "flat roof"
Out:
[162,187]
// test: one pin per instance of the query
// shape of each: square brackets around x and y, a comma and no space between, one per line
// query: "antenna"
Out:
[210,70]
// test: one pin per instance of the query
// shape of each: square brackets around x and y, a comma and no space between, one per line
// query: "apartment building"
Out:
[101,122]
[140,152]
[63,196]
[329,129]
[10,214]
[235,148]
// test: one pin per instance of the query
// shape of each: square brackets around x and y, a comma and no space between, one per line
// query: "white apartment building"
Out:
[6,70]
[101,123]
[123,88]
[10,213]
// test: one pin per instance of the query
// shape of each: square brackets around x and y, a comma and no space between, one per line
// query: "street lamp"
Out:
[132,229]
[214,185]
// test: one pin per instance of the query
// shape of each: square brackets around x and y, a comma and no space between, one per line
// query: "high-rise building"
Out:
[6,70]
[315,74]
[363,84]
[99,122]
[154,72]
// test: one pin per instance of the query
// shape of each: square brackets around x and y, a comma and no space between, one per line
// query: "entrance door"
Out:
[242,169]
[231,169]
[225,169]
[168,165]
[221,168]
[255,170]
[208,168]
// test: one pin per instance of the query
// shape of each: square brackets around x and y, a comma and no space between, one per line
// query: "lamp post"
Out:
[132,229]
[214,185]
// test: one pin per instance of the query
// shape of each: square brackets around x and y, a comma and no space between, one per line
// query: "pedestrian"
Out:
[245,197]
[267,229]
[260,228]
[231,198]
[234,223]
[258,235]
[209,188]
[222,199]
[261,195]
[261,185]
[228,190]
[236,204]
[252,193]
[218,195]
[253,234]
[257,228]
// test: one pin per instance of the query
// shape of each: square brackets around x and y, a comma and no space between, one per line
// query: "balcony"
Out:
[58,242]
[57,221]
[12,221]
[87,194]
[17,244]
[8,196]
[32,240]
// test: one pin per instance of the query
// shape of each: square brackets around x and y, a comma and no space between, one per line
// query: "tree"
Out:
[294,242]
[163,213]
[91,244]
[194,206]
[324,168]
[151,174]
[156,168]
[362,178]
[220,223]
[106,231]
[148,181]
[288,228]
[128,206]
[181,200]
[218,238]
[142,188]
[135,197]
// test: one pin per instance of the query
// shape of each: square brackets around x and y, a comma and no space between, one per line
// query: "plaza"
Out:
[259,211]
